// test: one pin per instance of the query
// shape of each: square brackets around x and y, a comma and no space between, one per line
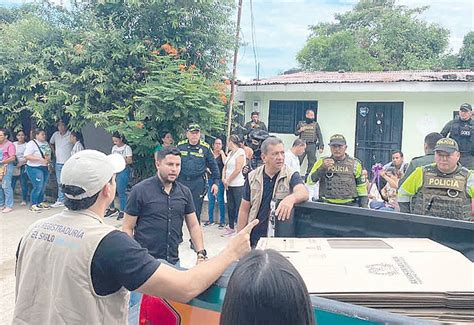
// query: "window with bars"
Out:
[285,114]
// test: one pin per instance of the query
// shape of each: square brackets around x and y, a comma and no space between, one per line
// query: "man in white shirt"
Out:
[292,155]
[62,148]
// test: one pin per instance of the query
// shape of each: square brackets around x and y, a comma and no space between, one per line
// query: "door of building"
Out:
[378,131]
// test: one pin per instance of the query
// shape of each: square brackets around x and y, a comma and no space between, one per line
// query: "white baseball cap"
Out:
[90,170]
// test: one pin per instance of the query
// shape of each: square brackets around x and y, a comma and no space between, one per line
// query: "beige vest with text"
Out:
[53,274]
[280,191]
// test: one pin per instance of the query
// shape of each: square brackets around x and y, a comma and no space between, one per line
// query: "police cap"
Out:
[447,145]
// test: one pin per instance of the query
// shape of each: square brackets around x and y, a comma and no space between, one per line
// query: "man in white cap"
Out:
[72,268]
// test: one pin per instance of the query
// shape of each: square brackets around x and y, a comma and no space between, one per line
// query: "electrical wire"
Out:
[254,40]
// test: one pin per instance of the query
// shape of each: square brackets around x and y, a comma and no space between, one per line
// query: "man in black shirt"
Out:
[76,248]
[157,207]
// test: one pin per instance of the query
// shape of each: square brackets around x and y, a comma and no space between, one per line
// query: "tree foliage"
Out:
[375,35]
[96,63]
[466,54]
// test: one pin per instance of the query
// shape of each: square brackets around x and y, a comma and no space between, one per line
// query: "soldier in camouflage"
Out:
[443,189]
[310,132]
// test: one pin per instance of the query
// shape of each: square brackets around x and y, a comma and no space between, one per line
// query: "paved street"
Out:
[13,225]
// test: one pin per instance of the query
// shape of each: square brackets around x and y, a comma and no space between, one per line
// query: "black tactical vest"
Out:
[339,181]
[309,133]
[442,195]
[463,133]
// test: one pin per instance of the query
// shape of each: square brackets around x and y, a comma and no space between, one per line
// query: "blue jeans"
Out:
[122,179]
[58,168]
[379,205]
[6,191]
[39,177]
[23,182]
[212,201]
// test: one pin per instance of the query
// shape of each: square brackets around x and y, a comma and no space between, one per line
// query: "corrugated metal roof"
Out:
[364,77]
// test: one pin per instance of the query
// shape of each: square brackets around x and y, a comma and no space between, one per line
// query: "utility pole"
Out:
[234,70]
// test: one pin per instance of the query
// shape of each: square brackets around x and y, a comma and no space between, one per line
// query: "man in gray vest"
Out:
[310,132]
[271,182]
[461,129]
[72,268]
[443,189]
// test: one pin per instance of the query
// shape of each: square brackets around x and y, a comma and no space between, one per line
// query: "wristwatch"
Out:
[202,254]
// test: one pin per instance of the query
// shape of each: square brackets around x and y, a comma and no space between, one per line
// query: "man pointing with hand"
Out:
[89,267]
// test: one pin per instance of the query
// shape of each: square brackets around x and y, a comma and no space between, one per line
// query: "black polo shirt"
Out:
[261,229]
[159,216]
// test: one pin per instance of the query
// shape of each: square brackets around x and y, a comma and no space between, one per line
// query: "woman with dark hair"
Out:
[38,157]
[233,181]
[265,288]
[122,148]
[77,140]
[166,141]
[219,156]
[7,158]
[19,172]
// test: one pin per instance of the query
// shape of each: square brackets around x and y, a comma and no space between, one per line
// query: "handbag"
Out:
[50,166]
[3,171]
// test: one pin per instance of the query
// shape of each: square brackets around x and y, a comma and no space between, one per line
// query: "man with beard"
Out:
[310,132]
[156,209]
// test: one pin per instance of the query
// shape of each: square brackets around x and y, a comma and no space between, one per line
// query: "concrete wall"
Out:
[423,112]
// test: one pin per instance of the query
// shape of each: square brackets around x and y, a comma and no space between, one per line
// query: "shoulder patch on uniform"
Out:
[182,142]
[204,144]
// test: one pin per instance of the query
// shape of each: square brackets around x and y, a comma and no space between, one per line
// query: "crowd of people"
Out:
[259,180]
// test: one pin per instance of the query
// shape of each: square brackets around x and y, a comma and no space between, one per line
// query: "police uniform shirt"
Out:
[195,159]
[414,183]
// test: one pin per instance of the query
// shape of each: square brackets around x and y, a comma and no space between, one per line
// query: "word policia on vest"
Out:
[445,183]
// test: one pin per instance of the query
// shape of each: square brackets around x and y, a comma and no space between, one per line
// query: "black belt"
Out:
[191,178]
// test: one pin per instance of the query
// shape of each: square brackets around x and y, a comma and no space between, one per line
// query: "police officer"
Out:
[443,189]
[196,157]
[310,132]
[461,129]
[255,124]
[340,176]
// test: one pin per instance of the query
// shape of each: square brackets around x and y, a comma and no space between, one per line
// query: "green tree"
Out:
[466,54]
[202,30]
[375,35]
[56,63]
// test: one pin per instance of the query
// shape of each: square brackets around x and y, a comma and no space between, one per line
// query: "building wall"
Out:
[423,112]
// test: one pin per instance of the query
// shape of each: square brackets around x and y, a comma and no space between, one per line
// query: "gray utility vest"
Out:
[309,133]
[339,181]
[53,273]
[463,133]
[442,195]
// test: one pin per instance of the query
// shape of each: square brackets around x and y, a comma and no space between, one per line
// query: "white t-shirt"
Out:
[124,151]
[32,149]
[62,145]
[77,147]
[20,152]
[230,163]
[292,161]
